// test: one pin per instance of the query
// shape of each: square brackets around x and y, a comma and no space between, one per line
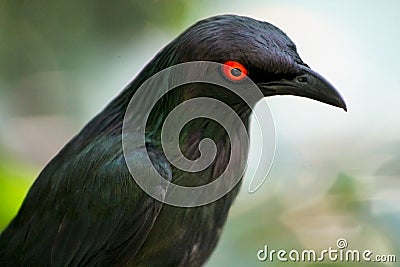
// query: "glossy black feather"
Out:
[91,213]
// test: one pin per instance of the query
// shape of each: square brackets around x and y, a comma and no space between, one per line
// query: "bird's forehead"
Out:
[245,39]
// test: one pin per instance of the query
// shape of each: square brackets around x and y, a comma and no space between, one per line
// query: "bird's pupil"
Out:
[236,72]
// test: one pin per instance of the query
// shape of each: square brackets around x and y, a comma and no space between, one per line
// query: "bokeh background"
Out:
[335,174]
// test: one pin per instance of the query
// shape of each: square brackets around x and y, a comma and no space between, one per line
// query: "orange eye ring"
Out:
[234,71]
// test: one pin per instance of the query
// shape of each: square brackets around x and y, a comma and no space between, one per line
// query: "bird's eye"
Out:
[234,71]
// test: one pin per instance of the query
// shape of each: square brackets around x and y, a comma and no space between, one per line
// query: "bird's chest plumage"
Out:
[187,236]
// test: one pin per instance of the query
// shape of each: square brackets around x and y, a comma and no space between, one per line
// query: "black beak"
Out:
[307,84]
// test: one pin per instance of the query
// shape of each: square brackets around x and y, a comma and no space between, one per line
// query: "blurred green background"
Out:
[335,175]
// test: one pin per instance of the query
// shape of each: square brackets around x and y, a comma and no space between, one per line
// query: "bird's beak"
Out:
[307,84]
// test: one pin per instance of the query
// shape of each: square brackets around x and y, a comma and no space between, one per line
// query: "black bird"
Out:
[85,209]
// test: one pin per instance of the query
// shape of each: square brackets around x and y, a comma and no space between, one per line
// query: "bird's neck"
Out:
[192,132]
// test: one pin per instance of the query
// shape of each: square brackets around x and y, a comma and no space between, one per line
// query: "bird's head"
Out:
[254,48]
[246,49]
